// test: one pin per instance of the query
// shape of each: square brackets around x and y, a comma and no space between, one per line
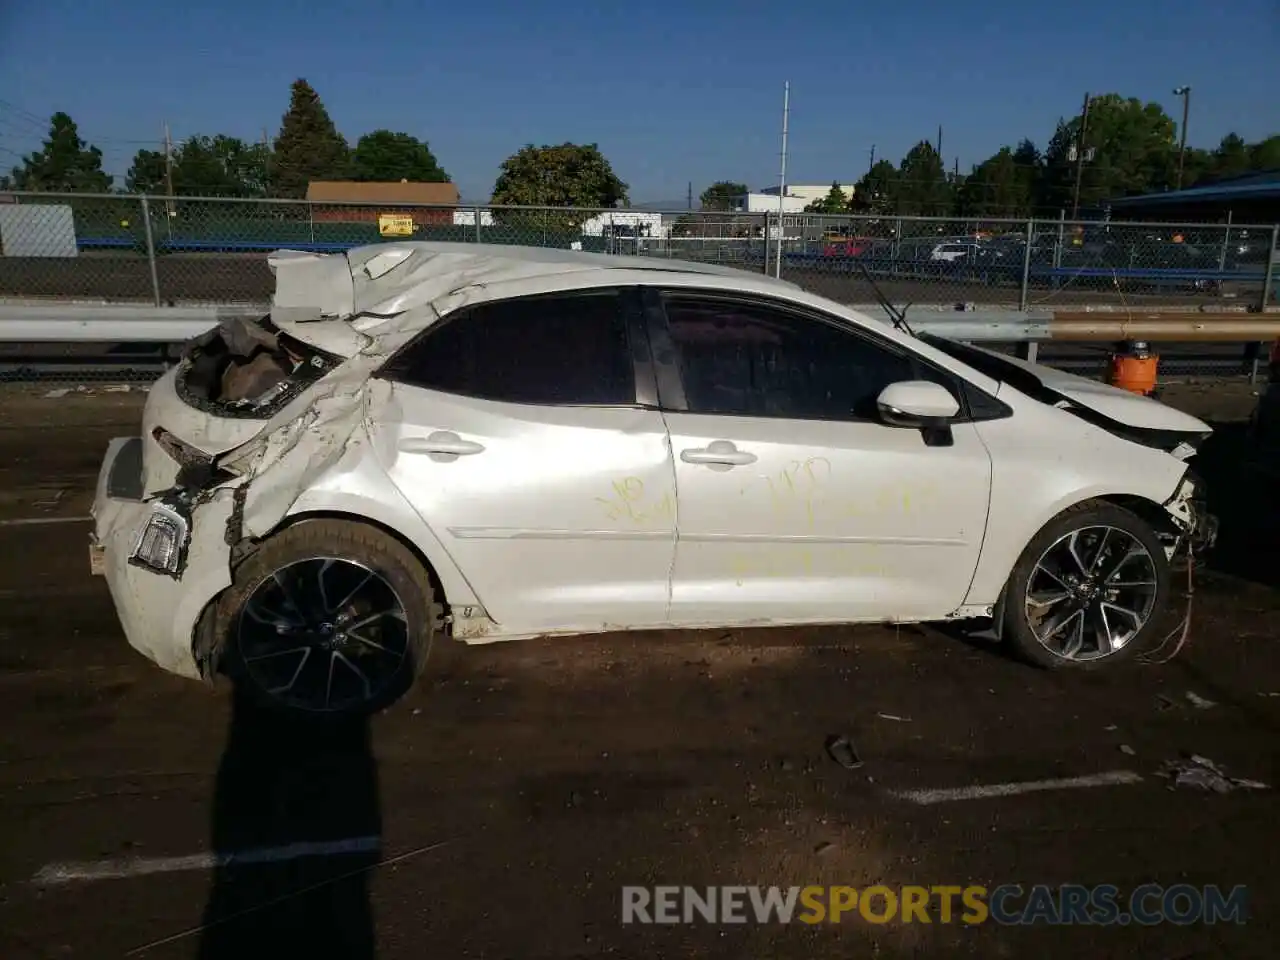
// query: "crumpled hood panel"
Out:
[1123,406]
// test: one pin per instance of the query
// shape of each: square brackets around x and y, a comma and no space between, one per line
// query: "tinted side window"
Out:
[751,360]
[543,350]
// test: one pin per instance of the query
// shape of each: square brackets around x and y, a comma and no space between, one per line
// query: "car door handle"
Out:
[720,452]
[441,442]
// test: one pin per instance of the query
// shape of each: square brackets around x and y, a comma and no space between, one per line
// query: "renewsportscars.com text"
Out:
[1010,904]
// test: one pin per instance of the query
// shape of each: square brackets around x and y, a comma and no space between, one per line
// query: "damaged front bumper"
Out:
[164,558]
[1189,509]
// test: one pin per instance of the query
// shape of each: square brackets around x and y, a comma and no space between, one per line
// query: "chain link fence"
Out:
[159,250]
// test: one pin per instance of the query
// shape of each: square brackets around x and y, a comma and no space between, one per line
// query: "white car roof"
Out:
[374,299]
[372,283]
[457,265]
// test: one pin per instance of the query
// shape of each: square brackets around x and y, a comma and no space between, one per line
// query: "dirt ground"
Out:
[521,786]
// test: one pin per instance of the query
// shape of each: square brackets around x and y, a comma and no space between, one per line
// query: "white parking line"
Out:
[58,873]
[39,521]
[980,792]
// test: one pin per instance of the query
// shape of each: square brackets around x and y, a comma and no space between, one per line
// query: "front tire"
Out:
[1088,590]
[328,618]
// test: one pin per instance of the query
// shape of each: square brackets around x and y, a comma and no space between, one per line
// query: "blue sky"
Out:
[672,90]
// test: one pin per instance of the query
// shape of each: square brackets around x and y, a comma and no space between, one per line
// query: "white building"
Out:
[808,192]
[797,197]
[626,223]
[768,203]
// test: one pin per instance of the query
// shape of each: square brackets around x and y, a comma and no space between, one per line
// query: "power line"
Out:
[24,115]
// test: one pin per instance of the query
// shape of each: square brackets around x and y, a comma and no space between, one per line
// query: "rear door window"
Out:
[564,349]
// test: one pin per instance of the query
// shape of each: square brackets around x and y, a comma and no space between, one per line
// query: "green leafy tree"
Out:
[65,163]
[723,195]
[221,166]
[203,166]
[1233,157]
[1230,159]
[383,156]
[1002,185]
[1128,147]
[876,194]
[146,173]
[923,187]
[834,202]
[1265,154]
[308,147]
[567,175]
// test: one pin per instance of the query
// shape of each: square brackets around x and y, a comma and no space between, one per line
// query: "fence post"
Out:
[151,250]
[1026,264]
[767,217]
[479,235]
[1269,275]
[1057,246]
[1226,241]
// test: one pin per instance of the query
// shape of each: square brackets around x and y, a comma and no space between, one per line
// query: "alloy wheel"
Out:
[323,634]
[1091,592]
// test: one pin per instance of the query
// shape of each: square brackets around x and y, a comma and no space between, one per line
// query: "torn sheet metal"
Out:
[310,286]
[243,334]
[373,289]
[296,447]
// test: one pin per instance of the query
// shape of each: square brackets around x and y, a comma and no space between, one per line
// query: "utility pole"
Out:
[782,178]
[168,168]
[1084,128]
[939,141]
[266,168]
[689,201]
[1185,93]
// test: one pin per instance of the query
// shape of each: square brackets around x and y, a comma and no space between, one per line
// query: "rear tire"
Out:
[1088,591]
[328,618]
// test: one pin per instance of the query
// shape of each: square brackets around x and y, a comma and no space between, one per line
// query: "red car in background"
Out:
[845,246]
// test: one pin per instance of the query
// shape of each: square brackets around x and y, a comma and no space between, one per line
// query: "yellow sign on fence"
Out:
[395,225]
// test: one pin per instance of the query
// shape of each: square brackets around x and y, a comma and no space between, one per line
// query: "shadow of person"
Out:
[296,830]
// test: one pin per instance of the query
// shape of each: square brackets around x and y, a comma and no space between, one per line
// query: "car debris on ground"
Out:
[842,751]
[1201,773]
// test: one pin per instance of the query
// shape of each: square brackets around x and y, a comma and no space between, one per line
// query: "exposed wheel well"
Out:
[1148,510]
[389,531]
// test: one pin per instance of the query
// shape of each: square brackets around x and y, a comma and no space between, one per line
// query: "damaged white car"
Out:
[485,443]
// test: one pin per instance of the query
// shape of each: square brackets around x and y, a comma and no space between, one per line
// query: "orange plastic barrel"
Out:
[1134,369]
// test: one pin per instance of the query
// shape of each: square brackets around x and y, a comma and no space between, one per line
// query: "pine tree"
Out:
[309,147]
[64,163]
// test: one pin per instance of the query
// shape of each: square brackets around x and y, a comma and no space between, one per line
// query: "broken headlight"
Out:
[162,544]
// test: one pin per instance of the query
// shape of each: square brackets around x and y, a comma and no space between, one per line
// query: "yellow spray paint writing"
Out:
[628,501]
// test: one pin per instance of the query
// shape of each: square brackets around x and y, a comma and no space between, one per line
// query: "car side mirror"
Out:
[922,404]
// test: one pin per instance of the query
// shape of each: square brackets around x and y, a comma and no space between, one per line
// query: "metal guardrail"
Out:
[106,323]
